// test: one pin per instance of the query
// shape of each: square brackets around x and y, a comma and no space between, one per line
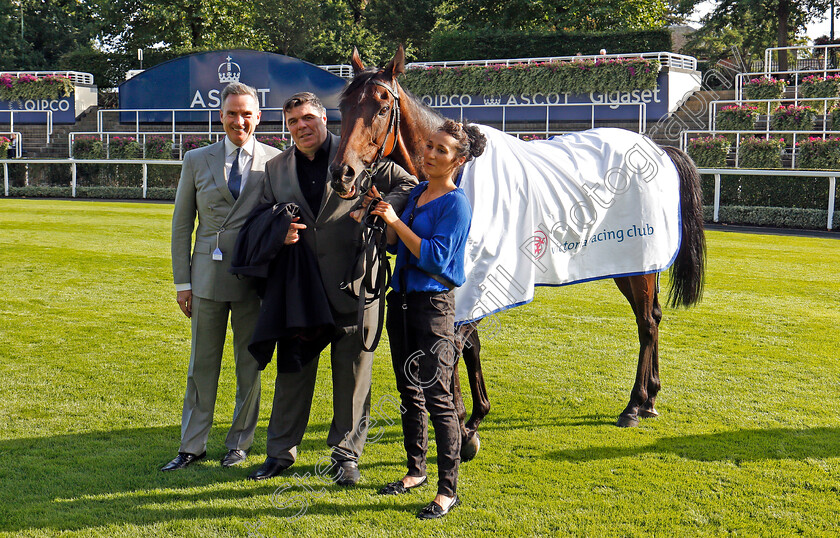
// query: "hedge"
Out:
[40,192]
[489,44]
[94,176]
[773,217]
[108,193]
[768,191]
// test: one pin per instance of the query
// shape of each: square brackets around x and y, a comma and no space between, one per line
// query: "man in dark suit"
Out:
[220,184]
[300,175]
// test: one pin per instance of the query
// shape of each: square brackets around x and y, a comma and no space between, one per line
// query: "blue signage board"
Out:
[195,82]
[33,111]
[615,106]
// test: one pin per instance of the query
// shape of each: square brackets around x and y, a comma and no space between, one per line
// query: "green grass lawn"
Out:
[93,359]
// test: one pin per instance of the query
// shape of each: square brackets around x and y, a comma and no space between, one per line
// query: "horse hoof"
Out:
[470,448]
[648,413]
[627,421]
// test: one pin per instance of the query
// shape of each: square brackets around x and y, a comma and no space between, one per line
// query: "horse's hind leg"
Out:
[470,345]
[641,293]
[458,400]
[648,410]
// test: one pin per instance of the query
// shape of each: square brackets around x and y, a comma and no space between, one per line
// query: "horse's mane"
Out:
[431,118]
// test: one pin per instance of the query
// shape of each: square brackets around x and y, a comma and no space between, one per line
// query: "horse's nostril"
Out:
[337,171]
[342,173]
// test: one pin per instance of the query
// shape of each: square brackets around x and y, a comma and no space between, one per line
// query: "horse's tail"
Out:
[688,270]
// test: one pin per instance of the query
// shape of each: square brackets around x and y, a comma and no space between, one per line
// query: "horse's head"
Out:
[370,118]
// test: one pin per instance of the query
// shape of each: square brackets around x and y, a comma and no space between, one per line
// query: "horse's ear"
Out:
[356,62]
[397,65]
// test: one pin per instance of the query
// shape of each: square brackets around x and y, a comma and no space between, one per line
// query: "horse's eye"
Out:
[384,110]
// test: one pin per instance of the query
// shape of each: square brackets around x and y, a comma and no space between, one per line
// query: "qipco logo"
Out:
[54,105]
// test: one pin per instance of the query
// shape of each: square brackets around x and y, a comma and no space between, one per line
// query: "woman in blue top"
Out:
[430,240]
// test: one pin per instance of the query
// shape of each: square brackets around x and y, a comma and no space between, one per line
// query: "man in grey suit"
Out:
[220,184]
[300,175]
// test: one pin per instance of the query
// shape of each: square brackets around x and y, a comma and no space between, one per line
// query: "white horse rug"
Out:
[596,204]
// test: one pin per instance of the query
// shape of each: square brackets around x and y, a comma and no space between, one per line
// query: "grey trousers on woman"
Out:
[423,354]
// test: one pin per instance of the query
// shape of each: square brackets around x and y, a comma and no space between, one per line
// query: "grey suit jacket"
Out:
[203,192]
[332,234]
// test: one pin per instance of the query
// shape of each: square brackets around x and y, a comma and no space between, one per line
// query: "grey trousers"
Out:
[293,393]
[209,328]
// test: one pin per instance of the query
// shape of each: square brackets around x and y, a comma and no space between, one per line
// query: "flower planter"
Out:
[816,86]
[709,152]
[761,153]
[793,118]
[736,118]
[819,154]
[574,77]
[764,88]
[24,87]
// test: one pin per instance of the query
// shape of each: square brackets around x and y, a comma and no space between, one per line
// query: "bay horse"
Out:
[380,119]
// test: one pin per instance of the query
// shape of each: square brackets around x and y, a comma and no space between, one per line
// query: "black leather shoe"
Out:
[346,472]
[270,468]
[183,459]
[398,488]
[435,511]
[234,457]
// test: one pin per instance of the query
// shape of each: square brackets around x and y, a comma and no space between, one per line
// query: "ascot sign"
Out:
[672,88]
[614,99]
[195,82]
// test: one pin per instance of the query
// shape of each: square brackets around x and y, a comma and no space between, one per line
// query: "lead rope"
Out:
[374,243]
[372,259]
[376,260]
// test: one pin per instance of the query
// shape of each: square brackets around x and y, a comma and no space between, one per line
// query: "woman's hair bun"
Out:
[471,140]
[477,139]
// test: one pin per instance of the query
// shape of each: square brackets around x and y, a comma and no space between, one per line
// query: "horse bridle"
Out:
[393,131]
[374,241]
[393,122]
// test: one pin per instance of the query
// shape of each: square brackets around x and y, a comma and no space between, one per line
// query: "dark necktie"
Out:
[235,178]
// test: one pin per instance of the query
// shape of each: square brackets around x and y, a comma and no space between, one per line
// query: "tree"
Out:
[749,38]
[10,40]
[180,25]
[580,15]
[287,26]
[404,22]
[777,20]
[50,28]
[343,26]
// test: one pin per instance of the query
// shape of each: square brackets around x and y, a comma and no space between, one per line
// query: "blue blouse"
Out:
[442,226]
